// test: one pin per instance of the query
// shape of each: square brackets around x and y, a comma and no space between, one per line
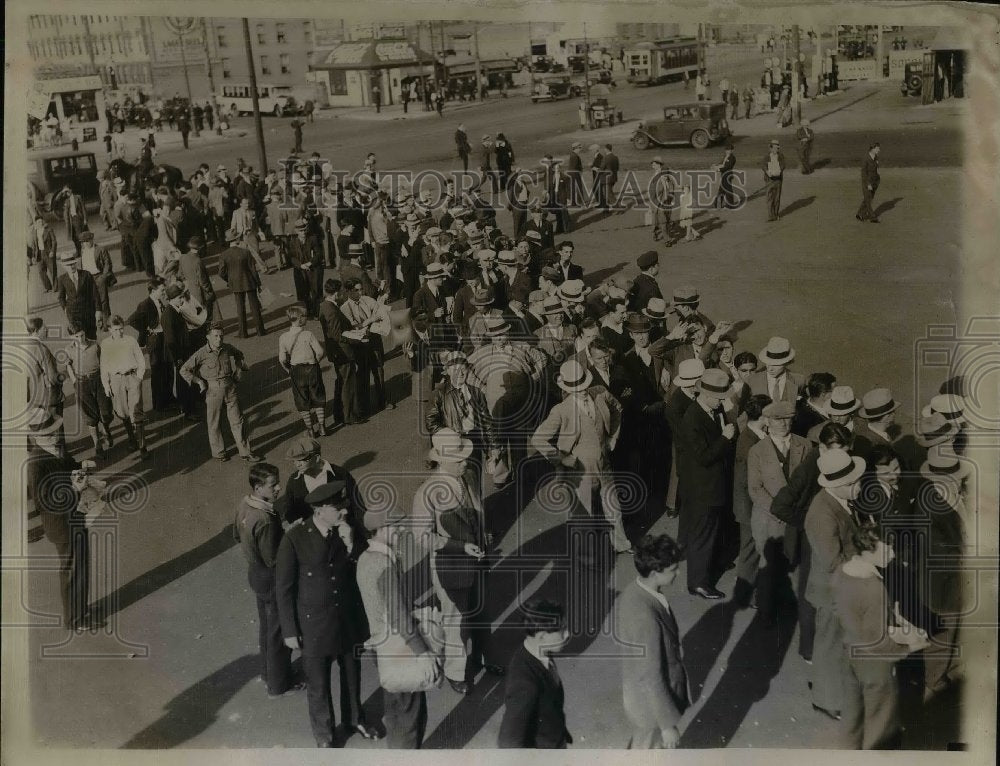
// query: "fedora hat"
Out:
[935,429]
[779,410]
[637,323]
[838,469]
[876,403]
[68,256]
[552,305]
[685,296]
[232,235]
[572,291]
[573,377]
[482,297]
[301,225]
[576,145]
[507,258]
[355,250]
[656,308]
[689,372]
[435,270]
[302,448]
[485,256]
[433,231]
[777,351]
[447,446]
[951,406]
[843,401]
[495,325]
[713,383]
[453,358]
[943,463]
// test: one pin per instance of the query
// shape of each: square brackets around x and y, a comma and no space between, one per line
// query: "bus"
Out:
[273,99]
[663,60]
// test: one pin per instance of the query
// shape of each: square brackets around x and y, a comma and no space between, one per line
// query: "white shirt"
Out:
[314,482]
[783,443]
[88,254]
[542,658]
[773,167]
[776,387]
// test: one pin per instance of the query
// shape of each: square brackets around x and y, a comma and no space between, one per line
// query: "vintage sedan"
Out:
[698,123]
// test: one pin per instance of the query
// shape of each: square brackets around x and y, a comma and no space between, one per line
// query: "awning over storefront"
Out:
[464,67]
[949,39]
[373,54]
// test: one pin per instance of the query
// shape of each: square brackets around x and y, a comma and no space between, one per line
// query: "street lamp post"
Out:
[261,153]
[182,26]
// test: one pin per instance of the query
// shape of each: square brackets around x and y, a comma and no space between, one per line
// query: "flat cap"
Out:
[779,410]
[302,448]
[648,259]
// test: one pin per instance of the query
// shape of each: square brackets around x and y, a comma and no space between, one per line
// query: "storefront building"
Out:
[350,71]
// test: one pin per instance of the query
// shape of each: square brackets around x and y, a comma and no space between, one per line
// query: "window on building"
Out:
[265,66]
[338,82]
[260,34]
[279,32]
[222,40]
[226,73]
[285,63]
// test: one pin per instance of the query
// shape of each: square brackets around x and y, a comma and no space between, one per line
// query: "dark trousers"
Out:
[405,719]
[298,143]
[185,392]
[773,198]
[345,393]
[161,374]
[321,713]
[563,223]
[241,311]
[128,250]
[520,221]
[807,612]
[275,656]
[142,252]
[867,195]
[465,160]
[805,149]
[702,529]
[184,136]
[871,705]
[770,578]
[47,270]
[383,264]
[370,358]
[68,533]
[747,560]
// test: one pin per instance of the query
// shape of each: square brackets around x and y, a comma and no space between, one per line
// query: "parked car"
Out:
[913,79]
[51,172]
[554,88]
[698,123]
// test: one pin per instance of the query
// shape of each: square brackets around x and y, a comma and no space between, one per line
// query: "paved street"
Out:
[183,615]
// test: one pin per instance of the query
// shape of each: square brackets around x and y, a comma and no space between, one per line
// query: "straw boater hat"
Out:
[482,297]
[232,235]
[843,401]
[656,308]
[435,270]
[778,351]
[433,231]
[302,448]
[943,463]
[552,305]
[572,291]
[935,429]
[951,406]
[485,256]
[573,377]
[876,403]
[714,383]
[838,469]
[355,250]
[68,256]
[447,446]
[495,325]
[685,296]
[689,372]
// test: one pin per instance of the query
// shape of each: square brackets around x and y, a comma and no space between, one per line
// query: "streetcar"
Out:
[653,63]
[272,99]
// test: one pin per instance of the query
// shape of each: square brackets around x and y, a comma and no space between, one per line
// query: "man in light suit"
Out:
[654,682]
[769,464]
[776,381]
[830,525]
[584,428]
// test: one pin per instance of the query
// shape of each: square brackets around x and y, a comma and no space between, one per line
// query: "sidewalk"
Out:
[416,109]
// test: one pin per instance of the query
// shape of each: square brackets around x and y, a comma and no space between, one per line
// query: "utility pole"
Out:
[586,78]
[797,74]
[531,62]
[261,154]
[182,26]
[434,65]
[211,78]
[479,68]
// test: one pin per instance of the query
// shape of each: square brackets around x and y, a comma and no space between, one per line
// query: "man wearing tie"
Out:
[776,380]
[79,296]
[567,268]
[708,431]
[75,215]
[574,174]
[363,312]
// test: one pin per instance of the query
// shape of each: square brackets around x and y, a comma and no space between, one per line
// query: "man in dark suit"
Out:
[774,170]
[598,178]
[462,145]
[196,279]
[320,607]
[645,286]
[545,237]
[680,397]
[305,253]
[79,296]
[178,346]
[747,560]
[351,268]
[341,355]
[567,268]
[869,184]
[237,268]
[428,298]
[708,431]
[654,684]
[830,524]
[145,320]
[574,174]
[776,380]
[75,216]
[878,421]
[518,195]
[610,176]
[533,700]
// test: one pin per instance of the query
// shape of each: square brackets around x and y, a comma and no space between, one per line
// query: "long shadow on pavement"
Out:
[703,643]
[195,709]
[886,206]
[754,661]
[797,205]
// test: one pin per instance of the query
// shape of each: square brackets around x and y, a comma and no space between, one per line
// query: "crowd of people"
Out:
[516,360]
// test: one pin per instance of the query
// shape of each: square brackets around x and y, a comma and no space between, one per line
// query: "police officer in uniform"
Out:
[320,608]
